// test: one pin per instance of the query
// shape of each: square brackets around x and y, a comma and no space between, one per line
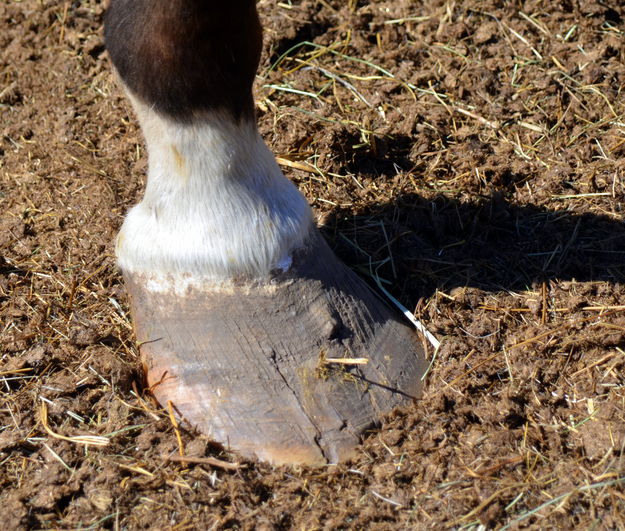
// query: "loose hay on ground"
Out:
[469,155]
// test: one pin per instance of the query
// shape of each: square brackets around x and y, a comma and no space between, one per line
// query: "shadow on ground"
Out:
[421,245]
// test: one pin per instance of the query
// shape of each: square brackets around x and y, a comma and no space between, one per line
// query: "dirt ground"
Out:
[469,154]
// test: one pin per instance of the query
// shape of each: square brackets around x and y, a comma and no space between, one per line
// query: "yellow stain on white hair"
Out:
[180,163]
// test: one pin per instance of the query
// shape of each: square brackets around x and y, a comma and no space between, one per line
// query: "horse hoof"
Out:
[253,364]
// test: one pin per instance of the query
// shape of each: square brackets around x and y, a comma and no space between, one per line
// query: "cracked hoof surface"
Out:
[246,363]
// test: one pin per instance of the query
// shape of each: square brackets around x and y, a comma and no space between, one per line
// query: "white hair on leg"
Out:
[216,206]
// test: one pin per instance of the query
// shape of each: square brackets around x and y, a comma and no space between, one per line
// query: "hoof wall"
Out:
[251,365]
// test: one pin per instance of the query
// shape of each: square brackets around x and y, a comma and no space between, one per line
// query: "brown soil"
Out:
[468,153]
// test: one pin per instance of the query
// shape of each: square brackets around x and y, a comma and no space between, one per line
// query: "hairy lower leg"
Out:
[216,205]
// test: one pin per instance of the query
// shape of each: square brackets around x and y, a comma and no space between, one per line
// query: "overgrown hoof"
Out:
[253,365]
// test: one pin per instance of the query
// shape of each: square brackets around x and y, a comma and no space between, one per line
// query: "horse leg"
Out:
[237,302]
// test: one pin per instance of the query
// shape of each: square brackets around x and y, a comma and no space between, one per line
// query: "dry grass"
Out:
[465,156]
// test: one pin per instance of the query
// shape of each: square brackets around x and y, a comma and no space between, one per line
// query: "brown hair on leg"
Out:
[185,57]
